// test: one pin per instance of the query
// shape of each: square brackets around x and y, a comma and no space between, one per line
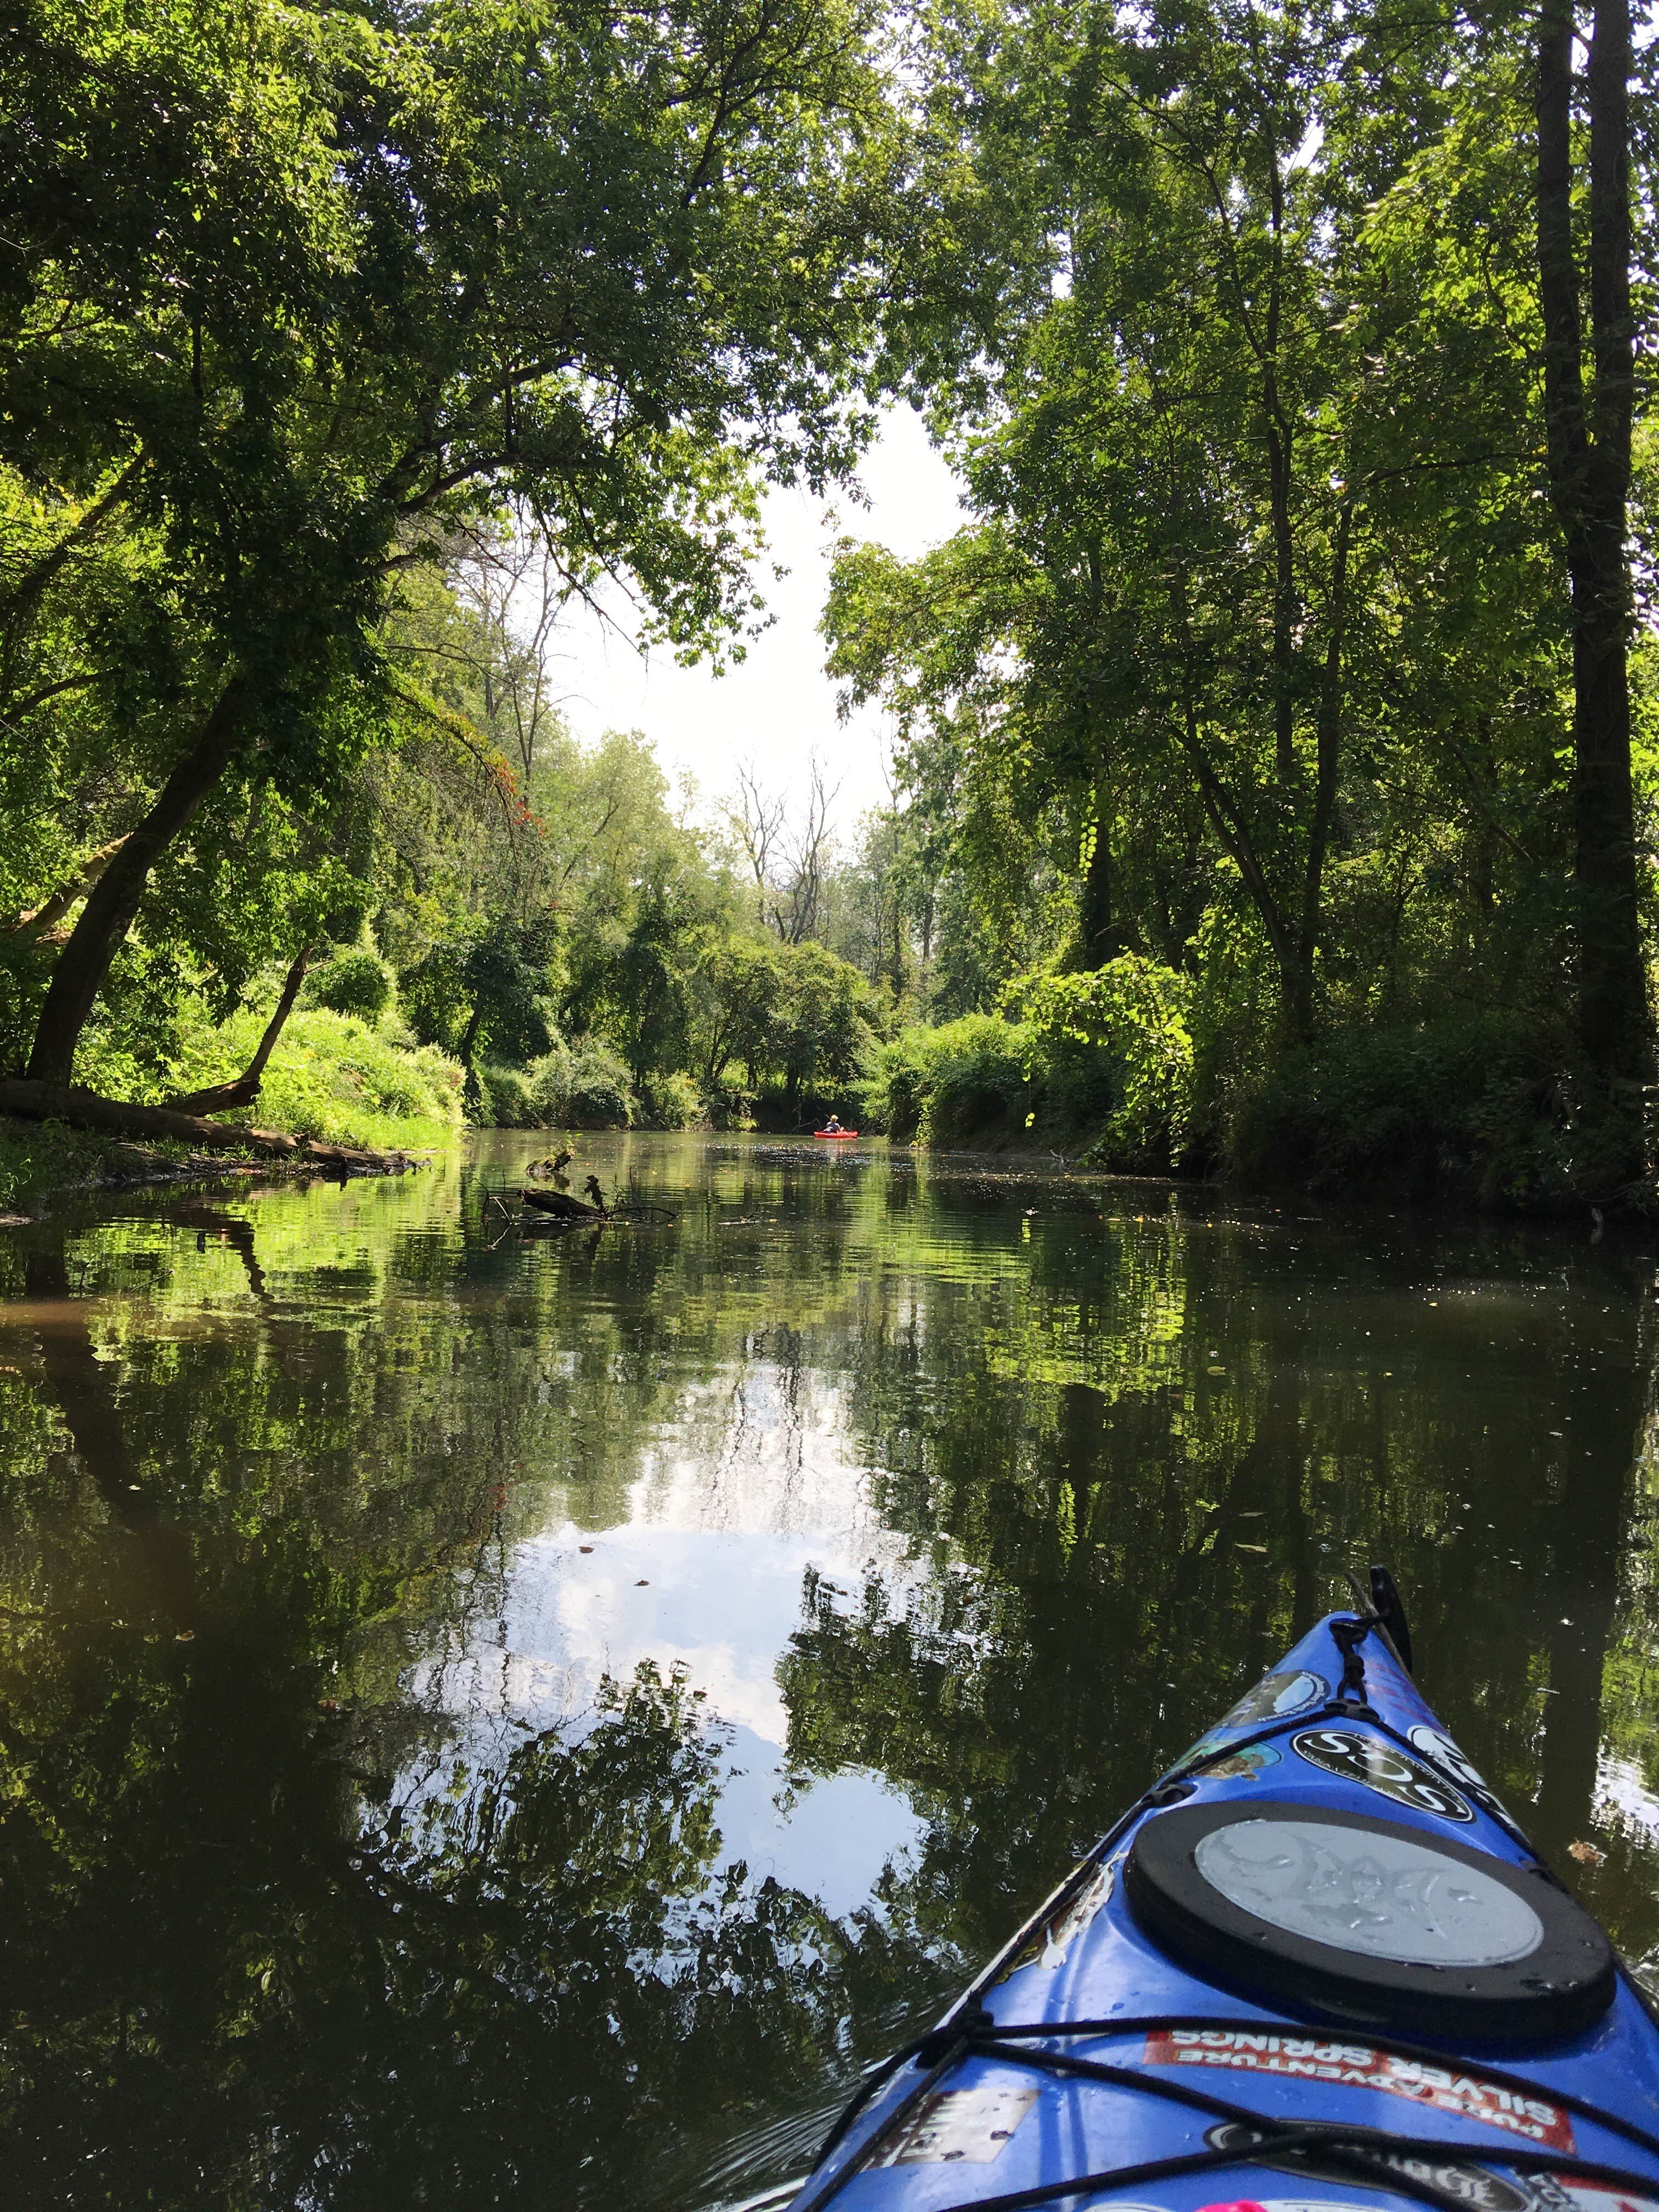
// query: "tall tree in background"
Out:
[1232,326]
[1589,434]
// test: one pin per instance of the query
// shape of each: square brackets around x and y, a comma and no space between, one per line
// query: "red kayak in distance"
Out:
[835,1136]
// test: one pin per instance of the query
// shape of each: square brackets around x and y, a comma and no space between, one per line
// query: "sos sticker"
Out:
[1380,1767]
[1436,1745]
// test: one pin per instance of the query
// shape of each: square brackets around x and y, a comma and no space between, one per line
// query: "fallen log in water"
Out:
[87,1110]
[562,1206]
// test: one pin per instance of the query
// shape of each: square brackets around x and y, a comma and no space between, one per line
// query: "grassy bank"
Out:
[334,1078]
[1101,1062]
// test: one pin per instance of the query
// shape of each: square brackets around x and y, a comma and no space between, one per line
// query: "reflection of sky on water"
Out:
[705,1576]
[369,1434]
[1624,1800]
[833,1842]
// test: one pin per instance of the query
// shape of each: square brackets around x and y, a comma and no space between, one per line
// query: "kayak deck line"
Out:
[1423,2054]
[1508,2121]
[1370,2146]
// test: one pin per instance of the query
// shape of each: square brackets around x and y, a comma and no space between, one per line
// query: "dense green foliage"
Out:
[1255,658]
[308,314]
[1295,652]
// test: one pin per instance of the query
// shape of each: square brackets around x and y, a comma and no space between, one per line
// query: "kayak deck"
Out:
[1098,2061]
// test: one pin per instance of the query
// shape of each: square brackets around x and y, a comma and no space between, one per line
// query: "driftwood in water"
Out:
[554,1166]
[562,1206]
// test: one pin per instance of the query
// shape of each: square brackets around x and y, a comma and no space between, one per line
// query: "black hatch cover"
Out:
[1368,1921]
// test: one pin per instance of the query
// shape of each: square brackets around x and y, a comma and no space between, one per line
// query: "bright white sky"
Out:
[774,708]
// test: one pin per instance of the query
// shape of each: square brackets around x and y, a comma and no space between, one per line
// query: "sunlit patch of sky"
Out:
[776,707]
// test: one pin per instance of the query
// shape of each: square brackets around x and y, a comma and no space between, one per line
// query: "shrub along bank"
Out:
[1103,1059]
[1131,1069]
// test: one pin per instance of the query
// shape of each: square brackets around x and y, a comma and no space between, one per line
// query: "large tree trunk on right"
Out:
[1613,1021]
[113,902]
[1102,940]
[1328,761]
[1589,460]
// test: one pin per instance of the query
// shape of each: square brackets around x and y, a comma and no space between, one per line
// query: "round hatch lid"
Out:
[1368,1921]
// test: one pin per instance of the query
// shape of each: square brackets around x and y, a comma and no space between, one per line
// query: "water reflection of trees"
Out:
[254,1972]
[291,1933]
[1156,1452]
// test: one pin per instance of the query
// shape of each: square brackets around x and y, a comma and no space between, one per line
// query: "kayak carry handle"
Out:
[1390,1609]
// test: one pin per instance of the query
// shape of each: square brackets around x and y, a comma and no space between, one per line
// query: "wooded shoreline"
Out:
[1274,744]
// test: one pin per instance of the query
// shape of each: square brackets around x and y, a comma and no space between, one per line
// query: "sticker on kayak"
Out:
[1237,1765]
[1248,2203]
[1251,1759]
[1276,1696]
[1064,1931]
[1418,2166]
[1367,1759]
[1481,2190]
[1572,2192]
[1357,2065]
[1209,1741]
[1476,2186]
[1421,2169]
[1436,1745]
[969,2125]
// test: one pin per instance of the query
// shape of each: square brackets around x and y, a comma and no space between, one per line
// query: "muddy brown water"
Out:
[490,1721]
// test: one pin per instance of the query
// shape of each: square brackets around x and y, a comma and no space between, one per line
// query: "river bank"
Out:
[42,1162]
[339,1095]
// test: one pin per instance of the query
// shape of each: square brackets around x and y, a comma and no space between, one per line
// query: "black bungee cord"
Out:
[1385,2156]
[1394,2046]
[1373,2151]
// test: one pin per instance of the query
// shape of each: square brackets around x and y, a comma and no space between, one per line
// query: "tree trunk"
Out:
[1229,826]
[1329,754]
[1589,449]
[225,1097]
[86,1110]
[1278,430]
[113,902]
[1100,939]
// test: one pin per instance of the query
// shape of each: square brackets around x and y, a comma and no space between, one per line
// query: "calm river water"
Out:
[486,1721]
